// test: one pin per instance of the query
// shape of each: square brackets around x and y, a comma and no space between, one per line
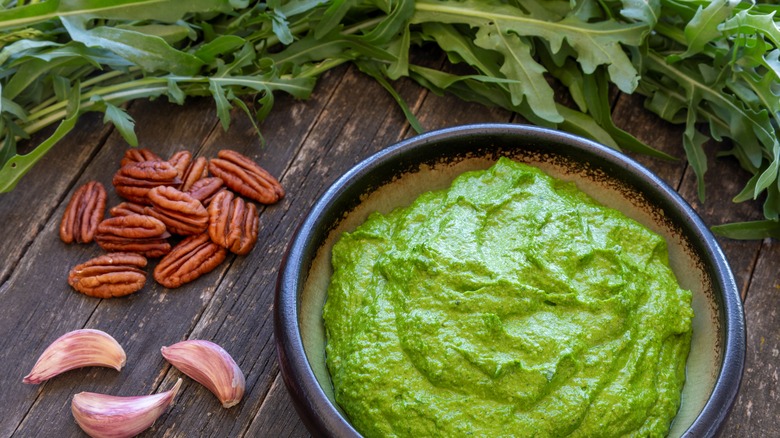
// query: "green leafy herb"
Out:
[706,64]
[749,230]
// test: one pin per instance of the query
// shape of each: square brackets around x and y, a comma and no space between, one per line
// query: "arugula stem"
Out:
[56,107]
[362,25]
[111,75]
[26,18]
[322,67]
[264,41]
[117,97]
[678,36]
[670,32]
[145,87]
[44,107]
[443,10]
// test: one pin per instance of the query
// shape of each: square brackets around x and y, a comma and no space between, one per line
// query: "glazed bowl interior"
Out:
[397,175]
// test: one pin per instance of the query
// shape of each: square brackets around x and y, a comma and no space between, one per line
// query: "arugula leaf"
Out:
[596,90]
[333,45]
[123,122]
[175,93]
[597,43]
[746,22]
[749,230]
[332,17]
[519,64]
[704,26]
[162,10]
[221,45]
[296,7]
[223,105]
[396,20]
[643,11]
[18,165]
[149,52]
[280,25]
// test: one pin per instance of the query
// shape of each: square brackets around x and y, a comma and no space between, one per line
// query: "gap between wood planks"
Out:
[753,263]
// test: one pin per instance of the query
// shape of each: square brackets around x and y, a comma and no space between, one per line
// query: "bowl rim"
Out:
[322,418]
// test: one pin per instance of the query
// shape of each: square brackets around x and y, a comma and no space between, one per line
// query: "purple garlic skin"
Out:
[110,416]
[210,365]
[77,349]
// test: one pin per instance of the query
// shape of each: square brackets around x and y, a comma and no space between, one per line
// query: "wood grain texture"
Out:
[755,412]
[307,145]
[26,211]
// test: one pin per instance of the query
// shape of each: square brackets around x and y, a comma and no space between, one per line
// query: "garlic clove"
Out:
[76,349]
[211,366]
[110,416]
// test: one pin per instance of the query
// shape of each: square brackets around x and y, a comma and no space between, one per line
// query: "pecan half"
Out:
[84,212]
[191,258]
[181,213]
[196,171]
[233,223]
[136,233]
[136,155]
[133,181]
[126,209]
[110,275]
[181,161]
[204,189]
[246,177]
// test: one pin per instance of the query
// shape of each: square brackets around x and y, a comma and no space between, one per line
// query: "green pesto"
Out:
[511,304]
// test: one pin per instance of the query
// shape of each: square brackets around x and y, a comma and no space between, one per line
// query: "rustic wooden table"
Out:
[308,145]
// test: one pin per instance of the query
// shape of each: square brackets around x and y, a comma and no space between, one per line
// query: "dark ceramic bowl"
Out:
[397,175]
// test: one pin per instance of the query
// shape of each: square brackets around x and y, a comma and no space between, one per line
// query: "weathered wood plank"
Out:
[279,408]
[39,305]
[25,210]
[629,115]
[755,412]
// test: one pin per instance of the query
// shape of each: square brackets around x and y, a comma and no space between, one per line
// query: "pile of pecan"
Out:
[189,213]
